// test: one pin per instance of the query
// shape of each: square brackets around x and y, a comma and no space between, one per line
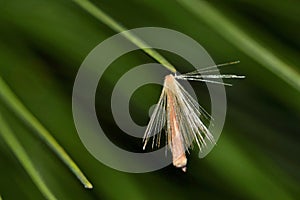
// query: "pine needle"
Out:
[14,144]
[7,95]
[114,25]
[242,41]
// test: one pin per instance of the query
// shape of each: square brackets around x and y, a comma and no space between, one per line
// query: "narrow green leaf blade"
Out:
[106,19]
[23,158]
[241,40]
[21,111]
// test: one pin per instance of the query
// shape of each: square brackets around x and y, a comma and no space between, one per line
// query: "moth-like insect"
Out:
[179,114]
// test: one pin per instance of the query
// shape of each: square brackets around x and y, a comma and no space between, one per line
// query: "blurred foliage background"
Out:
[42,45]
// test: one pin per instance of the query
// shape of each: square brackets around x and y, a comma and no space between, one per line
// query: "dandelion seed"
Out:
[179,114]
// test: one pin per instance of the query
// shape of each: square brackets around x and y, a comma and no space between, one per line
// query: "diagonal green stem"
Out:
[106,19]
[23,158]
[21,111]
[241,40]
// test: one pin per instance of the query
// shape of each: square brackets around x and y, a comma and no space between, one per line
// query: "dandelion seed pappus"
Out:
[180,114]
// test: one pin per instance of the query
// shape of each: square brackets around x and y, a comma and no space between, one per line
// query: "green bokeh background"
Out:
[42,45]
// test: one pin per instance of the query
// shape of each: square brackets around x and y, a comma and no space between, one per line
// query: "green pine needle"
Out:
[21,111]
[106,19]
[241,40]
[24,159]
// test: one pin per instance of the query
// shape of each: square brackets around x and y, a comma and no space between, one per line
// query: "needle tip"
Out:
[88,186]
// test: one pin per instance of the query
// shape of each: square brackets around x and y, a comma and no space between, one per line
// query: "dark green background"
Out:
[42,45]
